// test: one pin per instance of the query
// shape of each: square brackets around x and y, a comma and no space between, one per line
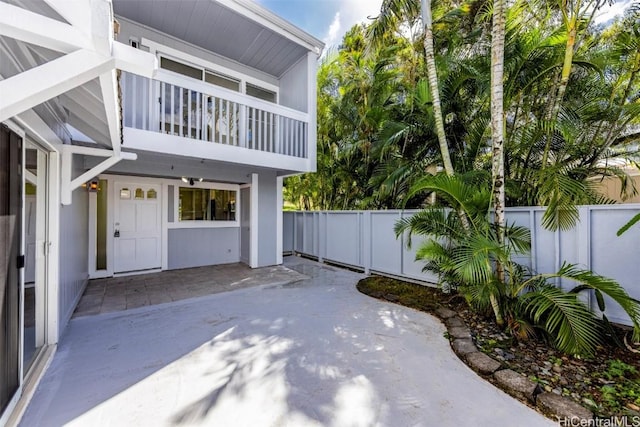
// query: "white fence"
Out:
[365,240]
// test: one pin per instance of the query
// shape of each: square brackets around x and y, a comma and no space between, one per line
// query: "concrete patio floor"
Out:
[130,292]
[310,353]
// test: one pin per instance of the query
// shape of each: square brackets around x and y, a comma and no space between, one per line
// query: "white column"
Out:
[253,261]
[279,228]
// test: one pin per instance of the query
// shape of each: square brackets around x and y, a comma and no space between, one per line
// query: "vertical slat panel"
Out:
[254,133]
[226,102]
[198,114]
[134,110]
[260,134]
[189,108]
[145,102]
[219,124]
[181,111]
[163,107]
[279,134]
[271,132]
[172,105]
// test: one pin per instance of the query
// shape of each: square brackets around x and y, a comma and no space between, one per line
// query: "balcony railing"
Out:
[204,112]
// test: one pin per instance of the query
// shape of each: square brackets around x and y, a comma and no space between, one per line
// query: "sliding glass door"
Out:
[35,231]
[10,263]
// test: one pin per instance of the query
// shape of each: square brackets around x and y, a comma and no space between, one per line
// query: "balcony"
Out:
[213,117]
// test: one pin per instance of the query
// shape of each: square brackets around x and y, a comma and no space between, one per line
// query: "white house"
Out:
[138,136]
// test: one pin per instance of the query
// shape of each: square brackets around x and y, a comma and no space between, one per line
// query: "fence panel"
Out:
[366,240]
[613,256]
[343,238]
[386,250]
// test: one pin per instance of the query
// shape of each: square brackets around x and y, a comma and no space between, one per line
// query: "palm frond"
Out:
[570,324]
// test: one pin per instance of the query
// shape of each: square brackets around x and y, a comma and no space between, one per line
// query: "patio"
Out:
[130,292]
[311,352]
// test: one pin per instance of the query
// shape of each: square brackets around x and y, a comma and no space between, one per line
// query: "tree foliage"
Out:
[566,116]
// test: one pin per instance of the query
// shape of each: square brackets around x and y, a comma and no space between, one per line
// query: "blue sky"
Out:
[328,20]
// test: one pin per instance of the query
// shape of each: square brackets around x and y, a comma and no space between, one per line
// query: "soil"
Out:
[597,383]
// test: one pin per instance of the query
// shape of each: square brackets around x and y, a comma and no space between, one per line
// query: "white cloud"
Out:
[350,12]
[333,34]
[607,13]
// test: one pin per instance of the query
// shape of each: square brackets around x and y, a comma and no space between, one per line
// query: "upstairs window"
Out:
[180,68]
[260,93]
[222,81]
[217,79]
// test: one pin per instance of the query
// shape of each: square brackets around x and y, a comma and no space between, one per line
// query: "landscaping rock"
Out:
[464,346]
[560,407]
[454,322]
[482,363]
[460,332]
[444,313]
[515,384]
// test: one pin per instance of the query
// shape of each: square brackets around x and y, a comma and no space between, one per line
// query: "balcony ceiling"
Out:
[217,28]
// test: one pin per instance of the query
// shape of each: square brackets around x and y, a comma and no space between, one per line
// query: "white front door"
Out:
[137,227]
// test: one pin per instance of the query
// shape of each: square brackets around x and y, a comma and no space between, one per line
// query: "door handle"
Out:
[116,233]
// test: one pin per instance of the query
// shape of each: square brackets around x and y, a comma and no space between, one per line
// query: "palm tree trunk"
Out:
[564,81]
[433,84]
[497,133]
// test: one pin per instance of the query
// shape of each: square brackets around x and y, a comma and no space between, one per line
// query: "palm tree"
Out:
[497,131]
[394,12]
[464,260]
[432,74]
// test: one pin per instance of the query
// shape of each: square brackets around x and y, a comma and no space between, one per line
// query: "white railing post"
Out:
[242,125]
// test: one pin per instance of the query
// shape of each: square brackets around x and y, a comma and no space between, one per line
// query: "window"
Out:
[205,204]
[260,93]
[222,81]
[125,193]
[180,68]
[200,72]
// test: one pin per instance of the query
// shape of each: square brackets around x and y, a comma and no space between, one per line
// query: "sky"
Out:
[329,20]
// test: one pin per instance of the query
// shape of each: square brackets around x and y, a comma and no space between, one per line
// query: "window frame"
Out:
[196,223]
[159,50]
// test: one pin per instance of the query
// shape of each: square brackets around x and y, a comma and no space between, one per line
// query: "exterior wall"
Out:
[196,247]
[74,251]
[365,239]
[132,29]
[611,187]
[267,212]
[293,87]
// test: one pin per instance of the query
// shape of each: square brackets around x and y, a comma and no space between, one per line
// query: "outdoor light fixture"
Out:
[91,186]
[191,181]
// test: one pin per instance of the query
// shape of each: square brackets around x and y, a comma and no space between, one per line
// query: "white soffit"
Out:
[224,30]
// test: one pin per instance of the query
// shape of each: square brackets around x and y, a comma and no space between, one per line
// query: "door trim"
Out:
[125,181]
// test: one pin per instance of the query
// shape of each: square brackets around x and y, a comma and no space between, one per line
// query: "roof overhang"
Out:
[253,35]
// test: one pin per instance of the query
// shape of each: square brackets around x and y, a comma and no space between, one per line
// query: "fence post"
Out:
[366,238]
[322,235]
[295,233]
[583,238]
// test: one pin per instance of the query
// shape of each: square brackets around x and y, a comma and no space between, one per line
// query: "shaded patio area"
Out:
[314,352]
[130,292]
